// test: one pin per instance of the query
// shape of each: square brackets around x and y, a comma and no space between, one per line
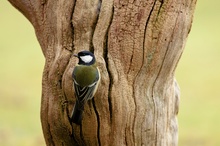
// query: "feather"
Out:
[83,94]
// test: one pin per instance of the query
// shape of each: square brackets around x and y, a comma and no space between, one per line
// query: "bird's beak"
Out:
[75,55]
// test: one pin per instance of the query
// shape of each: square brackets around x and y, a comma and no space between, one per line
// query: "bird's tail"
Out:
[77,113]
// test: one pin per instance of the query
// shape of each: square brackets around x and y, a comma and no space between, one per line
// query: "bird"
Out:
[86,78]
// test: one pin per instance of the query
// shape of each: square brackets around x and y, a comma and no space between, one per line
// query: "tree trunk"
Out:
[137,45]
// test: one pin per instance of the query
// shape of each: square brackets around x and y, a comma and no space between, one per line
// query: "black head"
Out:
[86,58]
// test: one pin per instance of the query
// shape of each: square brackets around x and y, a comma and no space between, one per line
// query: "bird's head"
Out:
[85,58]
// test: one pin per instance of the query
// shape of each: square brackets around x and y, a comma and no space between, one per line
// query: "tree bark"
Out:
[137,45]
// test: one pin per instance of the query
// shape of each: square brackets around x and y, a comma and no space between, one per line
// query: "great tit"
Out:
[86,77]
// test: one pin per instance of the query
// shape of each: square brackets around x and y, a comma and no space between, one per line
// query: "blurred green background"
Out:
[198,75]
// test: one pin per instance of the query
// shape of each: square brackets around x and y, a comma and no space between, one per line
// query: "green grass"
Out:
[198,75]
[21,62]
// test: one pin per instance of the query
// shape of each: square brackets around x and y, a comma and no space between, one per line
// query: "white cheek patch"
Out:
[86,58]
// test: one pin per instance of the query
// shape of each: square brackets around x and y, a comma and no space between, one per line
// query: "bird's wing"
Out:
[85,93]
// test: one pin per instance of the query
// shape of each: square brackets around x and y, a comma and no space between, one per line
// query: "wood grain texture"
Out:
[137,44]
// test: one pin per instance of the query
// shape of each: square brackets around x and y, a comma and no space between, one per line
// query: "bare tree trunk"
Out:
[137,44]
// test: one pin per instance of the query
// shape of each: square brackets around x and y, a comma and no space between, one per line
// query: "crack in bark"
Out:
[72,26]
[160,7]
[105,56]
[148,20]
[126,141]
[133,94]
[95,24]
[110,89]
[98,122]
[81,135]
[162,64]
[72,134]
[131,59]
[143,58]
[72,29]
